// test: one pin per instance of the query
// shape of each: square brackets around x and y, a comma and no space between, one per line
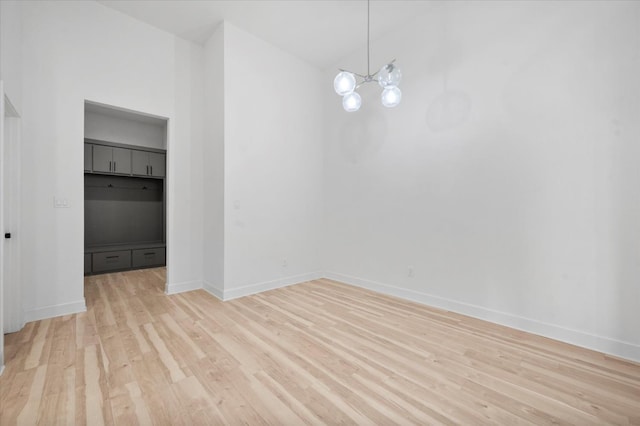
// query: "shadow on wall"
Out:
[363,135]
[449,110]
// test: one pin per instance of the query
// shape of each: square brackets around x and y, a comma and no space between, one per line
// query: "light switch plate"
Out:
[60,203]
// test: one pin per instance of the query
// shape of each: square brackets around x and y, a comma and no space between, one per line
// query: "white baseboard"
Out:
[247,290]
[1,369]
[52,311]
[182,287]
[607,345]
[213,290]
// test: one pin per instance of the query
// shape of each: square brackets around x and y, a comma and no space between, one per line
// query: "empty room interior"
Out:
[319,212]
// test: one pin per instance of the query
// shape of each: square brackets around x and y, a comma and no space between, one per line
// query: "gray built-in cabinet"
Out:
[88,152]
[109,159]
[145,163]
[125,212]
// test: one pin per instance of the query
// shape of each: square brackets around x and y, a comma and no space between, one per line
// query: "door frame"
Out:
[10,293]
[1,227]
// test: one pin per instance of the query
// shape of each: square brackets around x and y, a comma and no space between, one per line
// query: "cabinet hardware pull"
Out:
[147,169]
[109,165]
[149,254]
[112,257]
[114,166]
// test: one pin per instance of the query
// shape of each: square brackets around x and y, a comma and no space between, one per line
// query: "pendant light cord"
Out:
[368,46]
[346,83]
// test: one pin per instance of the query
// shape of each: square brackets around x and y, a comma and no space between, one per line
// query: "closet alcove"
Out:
[124,190]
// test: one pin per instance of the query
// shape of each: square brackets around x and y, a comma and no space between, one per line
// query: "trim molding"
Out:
[603,344]
[213,290]
[52,311]
[182,287]
[246,290]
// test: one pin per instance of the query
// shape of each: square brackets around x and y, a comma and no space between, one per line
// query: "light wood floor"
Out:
[314,353]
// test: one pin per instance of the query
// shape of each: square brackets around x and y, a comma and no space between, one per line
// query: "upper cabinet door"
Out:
[157,166]
[87,157]
[147,163]
[122,161]
[139,162]
[102,158]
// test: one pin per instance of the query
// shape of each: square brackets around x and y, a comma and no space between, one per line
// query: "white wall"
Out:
[507,177]
[213,164]
[72,52]
[10,51]
[111,128]
[263,166]
[11,87]
[185,182]
[273,165]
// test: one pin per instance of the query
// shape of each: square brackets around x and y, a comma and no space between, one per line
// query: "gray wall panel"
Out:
[123,210]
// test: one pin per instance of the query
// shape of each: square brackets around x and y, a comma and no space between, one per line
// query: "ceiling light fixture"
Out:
[388,77]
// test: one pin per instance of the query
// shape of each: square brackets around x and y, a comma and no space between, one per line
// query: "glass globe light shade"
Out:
[391,96]
[389,75]
[351,102]
[345,82]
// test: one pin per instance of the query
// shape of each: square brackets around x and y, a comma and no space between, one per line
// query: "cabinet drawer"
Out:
[111,261]
[148,257]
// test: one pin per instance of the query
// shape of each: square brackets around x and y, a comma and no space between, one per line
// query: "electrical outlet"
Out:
[410,271]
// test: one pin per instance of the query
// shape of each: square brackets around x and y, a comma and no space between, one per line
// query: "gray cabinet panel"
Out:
[122,210]
[139,162]
[111,261]
[110,160]
[157,164]
[122,161]
[87,157]
[102,158]
[148,257]
[148,163]
[122,259]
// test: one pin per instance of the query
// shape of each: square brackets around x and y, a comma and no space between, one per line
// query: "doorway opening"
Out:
[125,185]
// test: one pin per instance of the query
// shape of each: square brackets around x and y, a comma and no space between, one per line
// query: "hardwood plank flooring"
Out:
[315,353]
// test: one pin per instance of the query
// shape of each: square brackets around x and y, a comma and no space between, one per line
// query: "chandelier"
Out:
[388,77]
